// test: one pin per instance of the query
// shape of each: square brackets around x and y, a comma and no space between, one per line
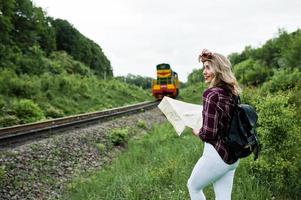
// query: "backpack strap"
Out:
[236,99]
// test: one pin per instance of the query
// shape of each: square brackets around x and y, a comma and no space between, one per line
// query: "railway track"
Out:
[14,135]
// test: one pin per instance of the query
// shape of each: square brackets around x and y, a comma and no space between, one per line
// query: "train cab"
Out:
[167,82]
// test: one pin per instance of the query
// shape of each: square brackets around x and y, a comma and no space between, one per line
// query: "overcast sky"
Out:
[136,35]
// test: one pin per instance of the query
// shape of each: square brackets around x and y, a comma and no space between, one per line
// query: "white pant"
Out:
[210,168]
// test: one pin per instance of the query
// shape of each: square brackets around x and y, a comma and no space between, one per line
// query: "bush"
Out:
[7,76]
[279,164]
[295,99]
[251,96]
[118,136]
[250,72]
[53,112]
[22,86]
[62,62]
[9,120]
[27,111]
[101,147]
[283,79]
[32,61]
[142,124]
[291,54]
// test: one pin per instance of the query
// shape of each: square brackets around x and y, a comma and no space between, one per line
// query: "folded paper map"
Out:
[181,114]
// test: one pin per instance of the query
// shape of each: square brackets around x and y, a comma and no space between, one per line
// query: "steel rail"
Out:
[13,132]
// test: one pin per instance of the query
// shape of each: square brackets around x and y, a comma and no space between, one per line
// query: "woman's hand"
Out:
[196,132]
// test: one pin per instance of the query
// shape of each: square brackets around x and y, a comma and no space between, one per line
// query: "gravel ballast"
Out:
[41,169]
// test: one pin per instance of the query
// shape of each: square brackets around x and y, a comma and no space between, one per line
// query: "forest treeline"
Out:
[48,69]
[28,35]
[254,66]
[138,80]
[270,78]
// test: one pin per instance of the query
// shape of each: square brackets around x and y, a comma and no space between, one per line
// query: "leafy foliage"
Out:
[81,48]
[101,147]
[236,58]
[195,76]
[28,111]
[63,94]
[249,72]
[254,66]
[292,52]
[279,132]
[140,81]
[283,79]
[28,36]
[119,136]
[142,124]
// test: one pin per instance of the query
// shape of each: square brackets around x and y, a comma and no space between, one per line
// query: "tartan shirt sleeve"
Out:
[209,129]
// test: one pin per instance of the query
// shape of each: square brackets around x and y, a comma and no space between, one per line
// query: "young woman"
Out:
[217,165]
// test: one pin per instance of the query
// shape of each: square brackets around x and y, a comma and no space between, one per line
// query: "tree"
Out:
[81,48]
[140,81]
[195,76]
[251,72]
[291,54]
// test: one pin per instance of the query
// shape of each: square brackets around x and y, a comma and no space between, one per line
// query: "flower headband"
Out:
[205,55]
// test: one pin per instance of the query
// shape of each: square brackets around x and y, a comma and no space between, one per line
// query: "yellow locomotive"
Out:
[167,82]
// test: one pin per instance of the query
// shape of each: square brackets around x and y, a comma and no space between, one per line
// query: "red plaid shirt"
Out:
[217,108]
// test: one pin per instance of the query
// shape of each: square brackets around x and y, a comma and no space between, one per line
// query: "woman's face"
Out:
[208,72]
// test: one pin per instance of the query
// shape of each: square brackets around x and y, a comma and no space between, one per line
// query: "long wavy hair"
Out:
[223,75]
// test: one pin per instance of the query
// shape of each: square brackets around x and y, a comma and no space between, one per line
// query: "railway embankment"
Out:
[42,169]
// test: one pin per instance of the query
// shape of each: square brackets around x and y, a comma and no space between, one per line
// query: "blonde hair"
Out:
[223,75]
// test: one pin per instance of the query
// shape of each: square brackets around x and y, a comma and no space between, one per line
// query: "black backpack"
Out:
[241,136]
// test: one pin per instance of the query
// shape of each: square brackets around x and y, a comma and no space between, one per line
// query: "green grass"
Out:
[157,166]
[62,95]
